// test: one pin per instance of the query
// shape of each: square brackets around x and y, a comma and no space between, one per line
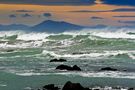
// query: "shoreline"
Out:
[77,86]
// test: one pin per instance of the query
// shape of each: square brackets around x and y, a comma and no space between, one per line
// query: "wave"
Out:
[82,39]
[3,85]
[104,33]
[106,74]
[32,36]
[91,54]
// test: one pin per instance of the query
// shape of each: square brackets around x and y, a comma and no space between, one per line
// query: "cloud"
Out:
[50,2]
[26,15]
[47,14]
[96,17]
[127,22]
[86,11]
[124,16]
[120,2]
[124,10]
[12,16]
[23,11]
[114,10]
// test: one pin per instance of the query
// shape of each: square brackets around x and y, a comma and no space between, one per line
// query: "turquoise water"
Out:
[24,58]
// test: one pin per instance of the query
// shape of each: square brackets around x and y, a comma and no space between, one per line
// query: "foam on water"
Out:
[89,55]
[10,33]
[105,33]
[22,44]
[3,85]
[37,38]
[33,36]
[109,74]
[114,35]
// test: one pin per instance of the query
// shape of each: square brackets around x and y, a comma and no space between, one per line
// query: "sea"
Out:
[25,58]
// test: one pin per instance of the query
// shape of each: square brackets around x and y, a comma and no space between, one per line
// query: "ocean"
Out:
[25,58]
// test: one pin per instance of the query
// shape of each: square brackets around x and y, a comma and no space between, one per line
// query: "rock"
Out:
[50,87]
[76,53]
[75,67]
[108,69]
[124,70]
[10,50]
[58,60]
[73,86]
[65,67]
[131,89]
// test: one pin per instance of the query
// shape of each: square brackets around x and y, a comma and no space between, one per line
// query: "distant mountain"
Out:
[99,26]
[55,26]
[14,27]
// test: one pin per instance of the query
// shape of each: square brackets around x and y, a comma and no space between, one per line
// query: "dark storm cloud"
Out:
[86,11]
[96,17]
[124,10]
[12,16]
[122,16]
[127,22]
[24,11]
[115,10]
[49,2]
[47,14]
[120,2]
[26,15]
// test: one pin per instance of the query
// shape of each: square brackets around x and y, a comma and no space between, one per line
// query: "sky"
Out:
[80,12]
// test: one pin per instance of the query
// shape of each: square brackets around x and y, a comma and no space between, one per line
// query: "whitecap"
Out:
[105,74]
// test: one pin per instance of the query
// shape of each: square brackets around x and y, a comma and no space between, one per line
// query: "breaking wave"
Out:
[103,33]
[107,74]
[104,54]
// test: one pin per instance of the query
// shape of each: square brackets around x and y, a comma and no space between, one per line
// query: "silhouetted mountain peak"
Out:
[55,26]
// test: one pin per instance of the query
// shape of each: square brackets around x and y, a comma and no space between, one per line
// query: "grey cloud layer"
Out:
[50,2]
[115,10]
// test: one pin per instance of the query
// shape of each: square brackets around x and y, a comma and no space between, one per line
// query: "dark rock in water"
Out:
[73,86]
[131,89]
[124,70]
[108,69]
[10,50]
[75,53]
[77,86]
[75,67]
[65,67]
[50,87]
[58,60]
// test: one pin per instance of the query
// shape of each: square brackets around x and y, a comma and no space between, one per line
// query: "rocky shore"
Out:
[77,86]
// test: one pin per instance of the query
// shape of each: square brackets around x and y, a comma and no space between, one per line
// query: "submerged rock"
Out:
[10,50]
[76,53]
[65,67]
[50,87]
[108,69]
[73,86]
[75,67]
[58,60]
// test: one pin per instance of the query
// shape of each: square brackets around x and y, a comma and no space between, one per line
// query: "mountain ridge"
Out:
[56,26]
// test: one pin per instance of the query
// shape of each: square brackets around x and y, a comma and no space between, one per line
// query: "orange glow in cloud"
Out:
[62,13]
[58,8]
